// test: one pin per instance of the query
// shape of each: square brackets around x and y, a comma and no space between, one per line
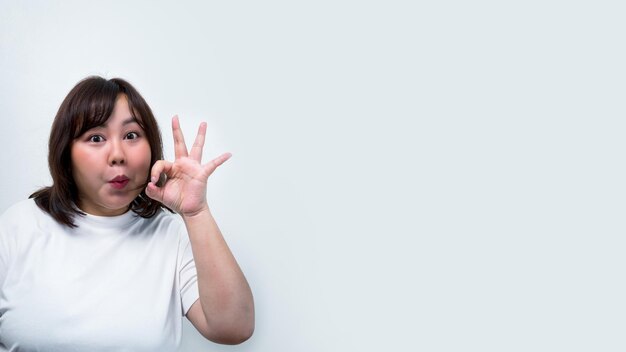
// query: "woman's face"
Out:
[110,163]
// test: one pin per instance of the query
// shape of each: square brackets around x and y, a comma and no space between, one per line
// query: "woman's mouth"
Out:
[119,182]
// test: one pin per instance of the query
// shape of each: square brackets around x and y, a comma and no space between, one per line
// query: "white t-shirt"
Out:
[118,283]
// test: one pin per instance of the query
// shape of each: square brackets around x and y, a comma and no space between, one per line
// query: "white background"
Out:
[406,176]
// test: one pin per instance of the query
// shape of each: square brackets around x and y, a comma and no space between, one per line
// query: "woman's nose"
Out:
[116,154]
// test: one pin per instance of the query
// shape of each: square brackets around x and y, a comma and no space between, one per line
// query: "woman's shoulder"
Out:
[21,221]
[24,210]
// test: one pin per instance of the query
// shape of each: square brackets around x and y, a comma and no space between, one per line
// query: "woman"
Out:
[94,262]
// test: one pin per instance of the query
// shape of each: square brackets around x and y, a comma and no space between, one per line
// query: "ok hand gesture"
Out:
[185,187]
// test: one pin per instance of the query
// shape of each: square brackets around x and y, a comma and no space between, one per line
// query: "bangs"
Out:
[94,108]
[134,112]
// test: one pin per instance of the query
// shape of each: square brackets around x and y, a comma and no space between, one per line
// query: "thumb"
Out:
[154,192]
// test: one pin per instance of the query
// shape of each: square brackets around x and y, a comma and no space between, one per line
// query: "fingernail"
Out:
[153,179]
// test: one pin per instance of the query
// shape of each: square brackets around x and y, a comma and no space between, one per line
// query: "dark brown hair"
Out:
[90,104]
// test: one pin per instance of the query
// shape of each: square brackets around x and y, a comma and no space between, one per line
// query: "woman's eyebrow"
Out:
[128,121]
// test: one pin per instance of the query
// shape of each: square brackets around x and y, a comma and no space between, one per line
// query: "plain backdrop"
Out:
[406,175]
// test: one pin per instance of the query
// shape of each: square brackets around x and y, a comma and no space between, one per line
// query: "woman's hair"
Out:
[90,104]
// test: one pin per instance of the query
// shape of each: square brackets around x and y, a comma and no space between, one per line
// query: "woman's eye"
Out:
[96,139]
[132,135]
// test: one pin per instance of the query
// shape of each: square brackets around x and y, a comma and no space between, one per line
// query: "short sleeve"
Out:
[188,278]
[4,260]
[5,248]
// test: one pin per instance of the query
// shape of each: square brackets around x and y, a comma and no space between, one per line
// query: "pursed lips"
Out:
[119,182]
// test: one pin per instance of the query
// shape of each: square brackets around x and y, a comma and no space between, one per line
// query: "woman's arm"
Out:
[225,311]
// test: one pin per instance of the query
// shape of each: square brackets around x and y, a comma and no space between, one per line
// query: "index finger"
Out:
[180,148]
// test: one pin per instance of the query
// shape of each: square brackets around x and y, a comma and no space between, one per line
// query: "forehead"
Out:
[122,114]
[121,104]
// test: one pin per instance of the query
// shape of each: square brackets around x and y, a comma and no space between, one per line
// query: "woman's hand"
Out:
[185,187]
